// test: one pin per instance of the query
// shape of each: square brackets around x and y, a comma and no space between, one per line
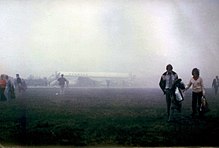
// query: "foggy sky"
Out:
[39,37]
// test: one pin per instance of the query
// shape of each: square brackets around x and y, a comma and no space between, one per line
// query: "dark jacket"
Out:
[162,82]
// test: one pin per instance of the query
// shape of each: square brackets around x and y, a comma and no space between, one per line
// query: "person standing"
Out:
[166,82]
[215,85]
[2,88]
[9,90]
[198,91]
[18,83]
[62,81]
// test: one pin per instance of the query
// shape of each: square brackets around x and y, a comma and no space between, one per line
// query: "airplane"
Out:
[93,79]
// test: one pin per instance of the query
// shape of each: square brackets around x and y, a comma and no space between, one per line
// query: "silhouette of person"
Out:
[18,83]
[9,90]
[2,88]
[62,81]
[24,85]
[166,82]
[215,84]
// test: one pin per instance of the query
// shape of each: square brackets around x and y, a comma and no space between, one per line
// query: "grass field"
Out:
[104,117]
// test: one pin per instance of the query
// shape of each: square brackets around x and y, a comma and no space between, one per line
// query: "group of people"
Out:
[6,88]
[167,81]
[9,87]
[20,84]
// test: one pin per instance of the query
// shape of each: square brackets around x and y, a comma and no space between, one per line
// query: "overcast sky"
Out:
[39,37]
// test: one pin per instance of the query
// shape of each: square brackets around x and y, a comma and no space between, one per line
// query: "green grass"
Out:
[103,117]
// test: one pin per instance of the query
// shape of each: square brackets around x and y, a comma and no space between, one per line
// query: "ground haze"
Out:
[104,117]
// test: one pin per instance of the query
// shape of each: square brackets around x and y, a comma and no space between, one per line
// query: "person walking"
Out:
[62,81]
[198,91]
[215,84]
[166,82]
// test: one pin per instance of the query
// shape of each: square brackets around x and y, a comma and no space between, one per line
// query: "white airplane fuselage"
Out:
[94,78]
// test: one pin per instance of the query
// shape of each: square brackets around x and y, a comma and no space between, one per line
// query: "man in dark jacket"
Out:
[62,81]
[166,82]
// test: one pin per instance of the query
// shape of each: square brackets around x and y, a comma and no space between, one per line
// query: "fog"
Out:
[39,37]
